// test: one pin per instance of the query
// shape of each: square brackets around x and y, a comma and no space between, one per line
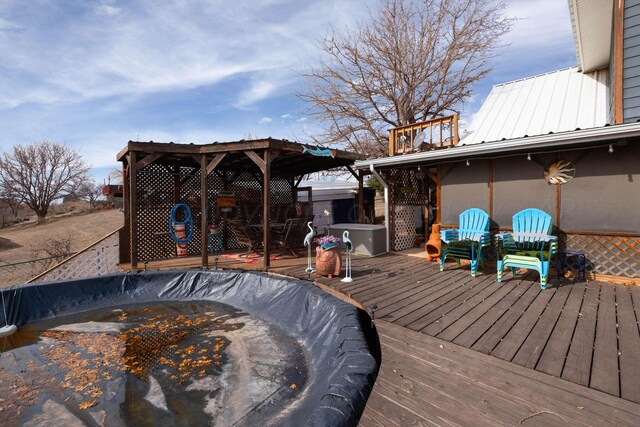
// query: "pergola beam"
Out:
[214,163]
[148,160]
[257,160]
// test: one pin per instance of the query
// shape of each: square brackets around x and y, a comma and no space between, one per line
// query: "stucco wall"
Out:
[604,195]
[463,187]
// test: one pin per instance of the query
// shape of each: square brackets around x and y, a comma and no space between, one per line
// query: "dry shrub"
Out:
[50,251]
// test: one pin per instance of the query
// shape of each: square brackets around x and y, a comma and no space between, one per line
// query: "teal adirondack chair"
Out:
[467,241]
[530,245]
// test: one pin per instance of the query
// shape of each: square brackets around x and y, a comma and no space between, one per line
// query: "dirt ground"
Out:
[16,242]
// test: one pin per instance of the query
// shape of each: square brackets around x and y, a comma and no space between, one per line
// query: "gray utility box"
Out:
[367,239]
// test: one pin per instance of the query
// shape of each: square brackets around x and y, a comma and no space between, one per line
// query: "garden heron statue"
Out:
[349,245]
[307,243]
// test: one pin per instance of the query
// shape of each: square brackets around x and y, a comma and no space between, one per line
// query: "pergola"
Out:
[158,175]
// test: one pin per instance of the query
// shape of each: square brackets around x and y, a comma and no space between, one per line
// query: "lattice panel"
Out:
[100,259]
[610,255]
[157,191]
[404,219]
[216,183]
[408,187]
[247,188]
[282,207]
[190,196]
[155,194]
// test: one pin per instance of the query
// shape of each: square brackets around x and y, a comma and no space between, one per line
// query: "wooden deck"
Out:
[509,352]
[425,381]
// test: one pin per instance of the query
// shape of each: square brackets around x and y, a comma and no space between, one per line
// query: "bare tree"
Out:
[51,250]
[41,173]
[90,192]
[115,176]
[11,198]
[414,60]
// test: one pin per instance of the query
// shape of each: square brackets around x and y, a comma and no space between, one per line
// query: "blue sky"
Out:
[95,74]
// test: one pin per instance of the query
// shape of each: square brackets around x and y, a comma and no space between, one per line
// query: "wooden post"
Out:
[456,137]
[125,234]
[438,196]
[360,197]
[133,210]
[618,59]
[558,204]
[392,141]
[266,188]
[490,188]
[203,211]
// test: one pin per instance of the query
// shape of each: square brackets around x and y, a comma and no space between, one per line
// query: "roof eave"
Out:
[563,140]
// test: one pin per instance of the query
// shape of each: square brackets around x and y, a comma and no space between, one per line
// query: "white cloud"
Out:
[285,116]
[265,120]
[55,54]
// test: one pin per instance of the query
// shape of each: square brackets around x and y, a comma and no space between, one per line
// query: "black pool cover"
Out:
[185,348]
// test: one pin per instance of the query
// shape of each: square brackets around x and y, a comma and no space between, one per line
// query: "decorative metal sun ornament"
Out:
[560,172]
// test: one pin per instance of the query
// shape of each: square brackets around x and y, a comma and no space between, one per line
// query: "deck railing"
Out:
[436,133]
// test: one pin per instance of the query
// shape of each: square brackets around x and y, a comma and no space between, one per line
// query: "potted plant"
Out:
[328,260]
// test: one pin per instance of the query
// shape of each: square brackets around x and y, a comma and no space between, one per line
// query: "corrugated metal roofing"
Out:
[559,101]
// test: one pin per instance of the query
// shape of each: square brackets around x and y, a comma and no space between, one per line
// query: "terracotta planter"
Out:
[433,245]
[328,261]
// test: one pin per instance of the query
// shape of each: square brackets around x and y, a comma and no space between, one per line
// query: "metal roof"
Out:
[558,101]
[592,24]
[537,144]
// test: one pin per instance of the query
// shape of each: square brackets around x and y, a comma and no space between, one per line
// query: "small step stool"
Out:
[580,258]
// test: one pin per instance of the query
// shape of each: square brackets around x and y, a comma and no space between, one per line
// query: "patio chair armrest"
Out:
[448,236]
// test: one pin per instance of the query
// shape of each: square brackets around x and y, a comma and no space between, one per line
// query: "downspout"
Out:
[386,202]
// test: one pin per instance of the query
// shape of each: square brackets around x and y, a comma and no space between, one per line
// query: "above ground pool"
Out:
[184,348]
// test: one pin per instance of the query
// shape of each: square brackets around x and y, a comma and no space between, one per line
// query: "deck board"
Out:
[604,375]
[468,303]
[440,383]
[399,288]
[530,351]
[577,367]
[629,344]
[555,352]
[436,309]
[514,339]
[401,311]
[509,291]
[489,330]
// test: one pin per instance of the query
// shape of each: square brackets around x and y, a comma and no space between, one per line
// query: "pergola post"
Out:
[203,210]
[133,203]
[266,189]
[360,197]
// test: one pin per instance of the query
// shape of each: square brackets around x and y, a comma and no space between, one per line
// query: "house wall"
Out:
[599,208]
[519,184]
[603,196]
[631,61]
[463,187]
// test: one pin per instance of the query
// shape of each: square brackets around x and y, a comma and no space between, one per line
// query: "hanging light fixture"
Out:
[529,156]
[467,163]
[610,148]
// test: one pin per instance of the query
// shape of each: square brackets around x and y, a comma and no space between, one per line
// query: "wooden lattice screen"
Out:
[612,255]
[160,187]
[407,188]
